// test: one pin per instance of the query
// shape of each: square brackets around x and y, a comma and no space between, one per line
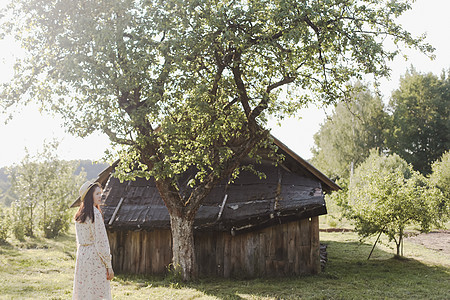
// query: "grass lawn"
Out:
[43,269]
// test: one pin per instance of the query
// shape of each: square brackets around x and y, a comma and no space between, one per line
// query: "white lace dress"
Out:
[93,257]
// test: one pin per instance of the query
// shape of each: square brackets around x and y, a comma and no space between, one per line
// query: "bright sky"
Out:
[31,129]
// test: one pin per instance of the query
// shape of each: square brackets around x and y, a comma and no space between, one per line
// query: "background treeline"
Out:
[415,125]
[392,161]
[91,168]
[36,193]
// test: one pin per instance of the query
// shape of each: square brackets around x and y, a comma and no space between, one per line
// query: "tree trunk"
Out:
[183,254]
[400,240]
[182,211]
[29,228]
[398,249]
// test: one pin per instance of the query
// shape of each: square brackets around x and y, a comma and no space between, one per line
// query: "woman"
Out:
[93,266]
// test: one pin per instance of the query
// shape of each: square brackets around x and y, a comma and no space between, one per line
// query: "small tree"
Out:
[45,186]
[24,182]
[57,195]
[18,220]
[386,195]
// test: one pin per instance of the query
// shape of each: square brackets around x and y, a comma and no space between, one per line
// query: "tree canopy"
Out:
[190,83]
[420,130]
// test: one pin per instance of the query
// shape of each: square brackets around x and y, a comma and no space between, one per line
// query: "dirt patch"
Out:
[436,240]
[335,230]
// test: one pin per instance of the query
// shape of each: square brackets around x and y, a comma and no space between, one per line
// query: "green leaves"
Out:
[355,127]
[440,178]
[207,73]
[386,195]
[421,119]
[45,186]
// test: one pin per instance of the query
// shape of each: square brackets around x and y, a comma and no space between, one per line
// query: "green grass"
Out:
[43,269]
[37,268]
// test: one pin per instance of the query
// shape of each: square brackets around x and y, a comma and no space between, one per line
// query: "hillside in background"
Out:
[7,196]
[92,169]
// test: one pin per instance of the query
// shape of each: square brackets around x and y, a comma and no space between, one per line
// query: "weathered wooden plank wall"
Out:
[285,249]
[280,250]
[141,252]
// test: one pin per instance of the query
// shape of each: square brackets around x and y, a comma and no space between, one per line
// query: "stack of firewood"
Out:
[323,256]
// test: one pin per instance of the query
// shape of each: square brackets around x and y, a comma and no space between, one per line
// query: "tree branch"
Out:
[203,189]
[113,137]
[218,76]
[242,91]
[321,58]
[262,105]
[275,85]
[229,104]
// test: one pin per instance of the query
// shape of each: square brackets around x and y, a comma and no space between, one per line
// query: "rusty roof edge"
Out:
[102,178]
[322,177]
[109,169]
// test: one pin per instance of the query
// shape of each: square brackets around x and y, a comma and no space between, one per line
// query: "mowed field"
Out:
[43,269]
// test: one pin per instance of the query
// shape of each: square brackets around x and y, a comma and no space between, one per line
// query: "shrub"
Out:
[5,224]
[17,221]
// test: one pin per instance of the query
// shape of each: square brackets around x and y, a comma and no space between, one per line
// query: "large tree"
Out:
[189,84]
[344,139]
[420,130]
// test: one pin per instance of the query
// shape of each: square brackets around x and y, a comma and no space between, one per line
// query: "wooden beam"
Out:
[115,212]
[331,186]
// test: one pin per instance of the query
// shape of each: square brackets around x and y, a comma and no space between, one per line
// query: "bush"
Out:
[53,227]
[440,177]
[5,224]
[56,223]
[17,221]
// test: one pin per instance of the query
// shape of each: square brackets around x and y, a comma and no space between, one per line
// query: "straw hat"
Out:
[86,187]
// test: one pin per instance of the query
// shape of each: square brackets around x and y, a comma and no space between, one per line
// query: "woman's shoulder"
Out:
[97,213]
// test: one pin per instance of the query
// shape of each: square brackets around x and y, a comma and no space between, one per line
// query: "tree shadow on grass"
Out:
[348,275]
[4,243]
[7,249]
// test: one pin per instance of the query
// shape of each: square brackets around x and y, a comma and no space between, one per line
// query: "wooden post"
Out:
[315,245]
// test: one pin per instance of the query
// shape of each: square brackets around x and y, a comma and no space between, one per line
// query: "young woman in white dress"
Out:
[93,269]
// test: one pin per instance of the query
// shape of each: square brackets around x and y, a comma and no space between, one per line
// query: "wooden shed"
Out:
[252,227]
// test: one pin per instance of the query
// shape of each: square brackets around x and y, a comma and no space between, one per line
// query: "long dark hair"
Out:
[86,210]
